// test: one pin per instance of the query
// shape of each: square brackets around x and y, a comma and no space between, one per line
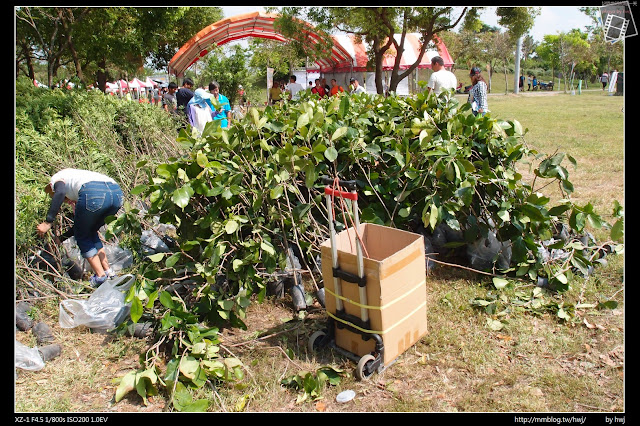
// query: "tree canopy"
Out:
[377,26]
[103,43]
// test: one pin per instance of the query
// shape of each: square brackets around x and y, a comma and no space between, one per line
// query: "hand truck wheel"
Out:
[364,366]
[315,340]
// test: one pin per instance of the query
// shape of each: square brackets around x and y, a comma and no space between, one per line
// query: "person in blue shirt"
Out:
[224,114]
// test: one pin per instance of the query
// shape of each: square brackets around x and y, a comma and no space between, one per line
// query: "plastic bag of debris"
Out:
[103,310]
[118,257]
[486,251]
[28,358]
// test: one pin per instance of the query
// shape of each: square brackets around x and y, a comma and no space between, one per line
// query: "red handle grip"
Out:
[344,194]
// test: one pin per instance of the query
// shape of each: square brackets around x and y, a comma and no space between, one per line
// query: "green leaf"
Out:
[617,230]
[300,211]
[266,246]
[344,106]
[303,120]
[231,226]
[500,283]
[237,263]
[167,301]
[136,309]
[276,192]
[331,154]
[495,325]
[127,384]
[433,217]
[609,304]
[182,195]
[198,406]
[172,260]
[138,190]
[156,257]
[340,132]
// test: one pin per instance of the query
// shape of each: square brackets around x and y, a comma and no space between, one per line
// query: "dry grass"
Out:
[536,363]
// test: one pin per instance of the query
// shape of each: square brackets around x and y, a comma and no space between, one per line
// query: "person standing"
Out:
[318,89]
[294,88]
[441,79]
[275,93]
[323,82]
[184,95]
[529,82]
[224,114]
[604,79]
[478,93]
[95,196]
[355,86]
[200,109]
[169,99]
[156,95]
[335,88]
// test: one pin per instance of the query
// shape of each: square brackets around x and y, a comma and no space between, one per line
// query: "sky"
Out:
[552,19]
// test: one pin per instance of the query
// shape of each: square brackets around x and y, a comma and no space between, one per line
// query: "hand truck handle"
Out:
[349,184]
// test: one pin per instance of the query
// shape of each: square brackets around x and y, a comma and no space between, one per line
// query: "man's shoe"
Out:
[96,281]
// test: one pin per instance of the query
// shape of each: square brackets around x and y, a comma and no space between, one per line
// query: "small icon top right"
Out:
[617,21]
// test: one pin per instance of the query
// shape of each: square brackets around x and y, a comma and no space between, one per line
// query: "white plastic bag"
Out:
[28,358]
[104,310]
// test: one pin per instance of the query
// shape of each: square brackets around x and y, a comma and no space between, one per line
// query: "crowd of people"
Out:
[279,90]
[198,106]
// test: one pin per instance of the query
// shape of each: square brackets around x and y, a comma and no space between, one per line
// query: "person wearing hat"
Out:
[95,197]
[478,93]
[441,79]
[355,86]
[200,109]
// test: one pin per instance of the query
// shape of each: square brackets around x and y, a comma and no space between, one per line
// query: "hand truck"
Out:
[371,362]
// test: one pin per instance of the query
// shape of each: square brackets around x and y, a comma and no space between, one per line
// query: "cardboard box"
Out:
[395,271]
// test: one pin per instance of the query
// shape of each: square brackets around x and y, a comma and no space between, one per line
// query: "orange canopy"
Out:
[254,24]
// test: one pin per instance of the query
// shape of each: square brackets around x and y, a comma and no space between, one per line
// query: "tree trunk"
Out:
[378,76]
[506,80]
[101,75]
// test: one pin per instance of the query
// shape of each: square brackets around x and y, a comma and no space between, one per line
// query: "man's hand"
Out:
[43,228]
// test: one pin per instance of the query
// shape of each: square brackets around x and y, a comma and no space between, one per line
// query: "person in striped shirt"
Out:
[478,93]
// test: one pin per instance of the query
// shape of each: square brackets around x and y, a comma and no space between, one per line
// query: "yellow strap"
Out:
[374,331]
[420,284]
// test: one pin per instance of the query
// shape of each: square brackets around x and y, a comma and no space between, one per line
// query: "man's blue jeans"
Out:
[96,201]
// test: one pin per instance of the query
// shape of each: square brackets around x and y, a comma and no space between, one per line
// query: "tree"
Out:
[563,51]
[105,42]
[518,20]
[41,38]
[496,47]
[377,26]
[229,70]
[280,56]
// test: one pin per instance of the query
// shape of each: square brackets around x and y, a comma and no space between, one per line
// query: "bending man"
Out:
[95,196]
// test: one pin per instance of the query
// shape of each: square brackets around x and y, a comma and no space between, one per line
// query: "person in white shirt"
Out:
[95,197]
[441,79]
[355,86]
[293,88]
